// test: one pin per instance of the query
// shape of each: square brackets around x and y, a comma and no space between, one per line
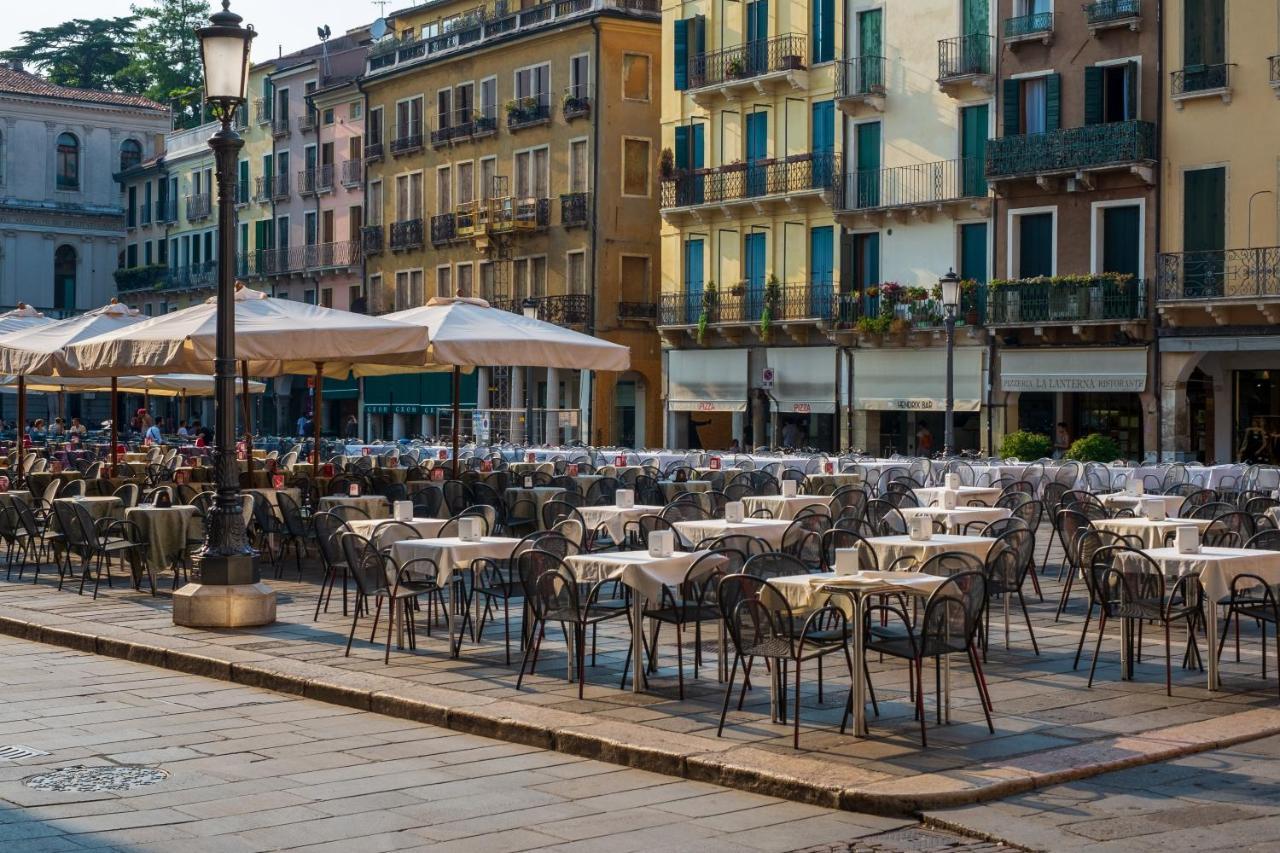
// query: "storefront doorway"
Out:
[1257,416]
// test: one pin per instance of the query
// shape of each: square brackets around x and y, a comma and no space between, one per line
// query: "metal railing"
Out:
[1038,301]
[784,52]
[926,313]
[442,229]
[371,239]
[1087,147]
[1200,78]
[167,210]
[744,304]
[916,184]
[352,173]
[1217,274]
[317,180]
[575,209]
[572,309]
[964,56]
[280,125]
[528,111]
[372,152]
[262,188]
[301,259]
[642,311]
[576,102]
[199,206]
[262,110]
[279,187]
[192,277]
[406,140]
[1274,62]
[307,121]
[860,76]
[1106,11]
[1028,26]
[130,279]
[746,181]
[406,234]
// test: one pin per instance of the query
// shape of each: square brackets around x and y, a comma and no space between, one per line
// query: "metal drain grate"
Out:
[80,779]
[17,752]
[911,839]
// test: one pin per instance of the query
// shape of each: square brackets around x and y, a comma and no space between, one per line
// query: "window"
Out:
[309,297]
[487,281]
[823,29]
[375,203]
[64,278]
[538,276]
[131,256]
[68,162]
[489,98]
[464,102]
[355,221]
[1032,104]
[242,183]
[408,197]
[444,198]
[578,154]
[1111,93]
[326,297]
[444,109]
[373,127]
[488,172]
[1204,33]
[309,230]
[531,177]
[579,75]
[466,179]
[408,289]
[2,158]
[162,252]
[327,117]
[282,232]
[635,166]
[635,278]
[690,41]
[356,110]
[131,210]
[146,203]
[148,256]
[355,302]
[130,154]
[635,76]
[1032,250]
[576,273]
[282,107]
[409,119]
[444,281]
[534,83]
[520,272]
[464,279]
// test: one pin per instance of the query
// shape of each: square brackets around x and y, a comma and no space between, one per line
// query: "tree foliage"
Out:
[169,54]
[85,53]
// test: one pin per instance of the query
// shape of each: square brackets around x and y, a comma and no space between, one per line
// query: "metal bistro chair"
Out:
[691,602]
[378,577]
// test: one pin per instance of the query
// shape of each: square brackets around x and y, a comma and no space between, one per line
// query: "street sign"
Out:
[766,378]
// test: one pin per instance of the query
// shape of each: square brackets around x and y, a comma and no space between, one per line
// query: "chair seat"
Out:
[589,615]
[684,611]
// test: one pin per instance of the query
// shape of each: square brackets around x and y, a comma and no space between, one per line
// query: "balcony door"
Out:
[1122,240]
[974,122]
[757,37]
[693,259]
[975,50]
[1204,230]
[973,251]
[753,262]
[823,147]
[821,270]
[690,143]
[870,50]
[867,148]
[1035,245]
[757,150]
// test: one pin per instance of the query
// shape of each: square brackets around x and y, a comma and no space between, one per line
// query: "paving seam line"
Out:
[716,767]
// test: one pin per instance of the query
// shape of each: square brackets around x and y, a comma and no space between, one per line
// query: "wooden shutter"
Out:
[1093,95]
[1132,81]
[682,146]
[1052,102]
[1012,106]
[681,61]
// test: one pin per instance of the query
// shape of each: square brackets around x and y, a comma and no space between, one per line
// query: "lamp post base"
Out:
[248,605]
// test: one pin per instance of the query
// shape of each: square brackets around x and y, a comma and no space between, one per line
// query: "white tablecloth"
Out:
[834,481]
[671,488]
[805,592]
[425,528]
[374,506]
[932,495]
[784,508]
[768,529]
[451,553]
[638,569]
[1151,533]
[1217,567]
[956,519]
[890,548]
[1119,500]
[615,518]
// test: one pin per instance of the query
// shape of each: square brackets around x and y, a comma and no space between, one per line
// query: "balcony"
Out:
[1274,62]
[638,312]
[576,102]
[372,152]
[757,186]
[892,314]
[406,235]
[442,229]
[859,81]
[317,180]
[1222,288]
[1067,300]
[167,210]
[965,61]
[262,189]
[279,187]
[371,239]
[872,196]
[1034,27]
[528,111]
[797,308]
[352,173]
[518,214]
[762,67]
[575,210]
[572,310]
[408,140]
[1077,153]
[279,126]
[315,259]
[307,121]
[262,110]
[194,277]
[1113,14]
[134,279]
[1202,81]
[199,206]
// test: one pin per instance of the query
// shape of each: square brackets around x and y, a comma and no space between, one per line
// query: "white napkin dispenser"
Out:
[828,467]
[734,512]
[528,482]
[661,543]
[920,528]
[624,498]
[953,481]
[948,499]
[403,510]
[847,561]
[353,490]
[1186,538]
[469,529]
[1153,509]
[531,457]
[788,488]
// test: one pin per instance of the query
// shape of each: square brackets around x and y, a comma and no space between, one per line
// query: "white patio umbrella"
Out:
[273,337]
[39,350]
[467,333]
[22,317]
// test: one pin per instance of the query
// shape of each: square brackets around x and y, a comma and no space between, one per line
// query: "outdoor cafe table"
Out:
[1152,533]
[6,498]
[815,482]
[615,518]
[538,495]
[783,508]
[889,549]
[957,519]
[166,531]
[932,495]
[1217,568]
[395,530]
[99,507]
[645,575]
[768,529]
[451,554]
[272,495]
[1119,500]
[374,506]
[806,592]
[671,488]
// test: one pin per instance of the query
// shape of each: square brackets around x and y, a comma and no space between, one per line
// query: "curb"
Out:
[801,778]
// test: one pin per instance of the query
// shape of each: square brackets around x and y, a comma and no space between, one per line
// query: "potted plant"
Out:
[738,288]
[667,164]
[709,301]
[1094,447]
[1025,446]
[736,67]
[772,301]
[899,326]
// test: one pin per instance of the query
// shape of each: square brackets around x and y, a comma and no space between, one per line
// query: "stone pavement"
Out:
[1049,727]
[253,770]
[1222,800]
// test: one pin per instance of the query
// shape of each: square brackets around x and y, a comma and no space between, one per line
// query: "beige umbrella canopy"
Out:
[20,318]
[170,385]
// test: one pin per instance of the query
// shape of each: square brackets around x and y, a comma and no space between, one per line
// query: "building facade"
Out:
[513,155]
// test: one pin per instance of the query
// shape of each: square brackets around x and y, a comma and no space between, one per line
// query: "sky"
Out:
[290,24]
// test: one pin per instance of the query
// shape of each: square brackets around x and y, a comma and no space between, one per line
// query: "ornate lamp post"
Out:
[227,591]
[950,285]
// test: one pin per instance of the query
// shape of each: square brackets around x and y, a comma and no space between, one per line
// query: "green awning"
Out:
[341,389]
[410,393]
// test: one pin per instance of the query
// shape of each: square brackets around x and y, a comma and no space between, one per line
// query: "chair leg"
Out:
[918,664]
[580,637]
[982,690]
[795,740]
[391,627]
[728,694]
[354,619]
[1027,616]
[1088,616]
[1168,661]
[1097,649]
[377,613]
[680,661]
[528,652]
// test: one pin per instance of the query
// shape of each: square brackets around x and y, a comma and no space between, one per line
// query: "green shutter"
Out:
[1053,102]
[682,146]
[682,54]
[1012,107]
[1131,80]
[1093,95]
[698,35]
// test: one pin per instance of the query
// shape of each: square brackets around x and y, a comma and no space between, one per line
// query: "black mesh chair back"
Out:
[487,515]
[128,494]
[1067,473]
[1051,497]
[1013,500]
[714,502]
[741,542]
[921,470]
[371,570]
[885,518]
[763,483]
[1257,506]
[837,539]
[328,529]
[1000,526]
[737,491]
[1008,560]
[962,469]
[648,493]
[554,510]
[1069,524]
[65,520]
[603,492]
[1207,510]
[1264,540]
[854,524]
[849,500]
[950,563]
[1019,487]
[569,484]
[684,510]
[734,560]
[531,565]
[457,496]
[291,515]
[803,539]
[953,613]
[647,524]
[1229,530]
[1028,513]
[1072,498]
[775,564]
[900,499]
[427,501]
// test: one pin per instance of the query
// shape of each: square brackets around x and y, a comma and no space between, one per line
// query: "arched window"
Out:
[68,162]
[64,278]
[130,154]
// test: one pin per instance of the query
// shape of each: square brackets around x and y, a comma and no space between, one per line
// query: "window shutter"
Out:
[1131,81]
[682,146]
[1053,102]
[682,55]
[1012,107]
[698,35]
[1093,95]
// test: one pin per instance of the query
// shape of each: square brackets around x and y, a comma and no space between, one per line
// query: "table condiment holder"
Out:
[403,510]
[469,529]
[920,528]
[734,512]
[624,498]
[788,488]
[1186,538]
[661,543]
[952,481]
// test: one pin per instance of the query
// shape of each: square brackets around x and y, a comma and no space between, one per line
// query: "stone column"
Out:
[482,388]
[516,431]
[584,406]
[553,403]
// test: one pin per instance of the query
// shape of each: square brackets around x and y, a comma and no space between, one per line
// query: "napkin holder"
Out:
[469,528]
[847,561]
[277,481]
[403,510]
[1186,539]
[1153,509]
[828,467]
[353,490]
[788,488]
[714,463]
[365,451]
[4,484]
[953,481]
[620,461]
[920,528]
[55,466]
[181,478]
[531,457]
[624,498]
[486,467]
[1134,488]
[437,473]
[326,470]
[528,482]
[661,543]
[734,512]
[571,469]
[442,455]
[948,499]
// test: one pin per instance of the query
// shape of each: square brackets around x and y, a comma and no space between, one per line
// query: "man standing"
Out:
[155,432]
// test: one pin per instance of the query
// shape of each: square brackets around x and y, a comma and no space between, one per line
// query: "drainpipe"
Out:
[1153,292]
[310,102]
[596,61]
[991,393]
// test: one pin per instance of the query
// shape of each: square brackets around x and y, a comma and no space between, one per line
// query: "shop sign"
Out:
[767,377]
[404,408]
[1123,384]
[801,408]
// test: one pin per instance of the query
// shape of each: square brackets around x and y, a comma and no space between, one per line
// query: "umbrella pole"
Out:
[248,426]
[457,390]
[20,449]
[115,428]
[318,412]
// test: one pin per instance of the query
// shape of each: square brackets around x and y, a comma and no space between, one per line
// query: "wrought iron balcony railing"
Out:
[442,229]
[352,173]
[307,121]
[1111,11]
[192,277]
[1035,25]
[199,206]
[575,209]
[372,152]
[317,180]
[262,189]
[262,110]
[1219,274]
[1197,80]
[748,60]
[576,102]
[814,172]
[926,313]
[408,139]
[913,185]
[1090,147]
[406,234]
[860,77]
[296,260]
[132,279]
[1274,62]
[638,311]
[371,239]
[964,56]
[280,125]
[279,187]
[745,304]
[573,309]
[1073,299]
[528,111]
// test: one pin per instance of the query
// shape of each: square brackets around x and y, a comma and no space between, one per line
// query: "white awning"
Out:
[916,379]
[707,380]
[1093,369]
[804,379]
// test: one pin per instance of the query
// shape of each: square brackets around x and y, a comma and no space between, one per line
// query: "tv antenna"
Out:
[382,7]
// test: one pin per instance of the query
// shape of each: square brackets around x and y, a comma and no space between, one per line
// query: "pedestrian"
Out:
[302,425]
[695,440]
[924,441]
[77,428]
[154,433]
[790,434]
[183,432]
[353,427]
[1061,440]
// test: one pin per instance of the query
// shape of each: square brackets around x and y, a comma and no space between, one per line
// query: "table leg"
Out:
[637,639]
[1211,629]
[946,689]
[859,675]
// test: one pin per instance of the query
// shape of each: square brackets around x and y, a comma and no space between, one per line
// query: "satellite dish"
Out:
[379,28]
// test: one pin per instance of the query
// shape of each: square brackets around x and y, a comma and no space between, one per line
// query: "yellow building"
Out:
[513,155]
[1218,282]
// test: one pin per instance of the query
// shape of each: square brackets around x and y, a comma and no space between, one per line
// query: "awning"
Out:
[804,379]
[916,379]
[707,380]
[1095,369]
[414,393]
[340,389]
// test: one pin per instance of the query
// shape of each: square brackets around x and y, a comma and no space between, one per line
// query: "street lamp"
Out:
[226,591]
[530,310]
[950,286]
